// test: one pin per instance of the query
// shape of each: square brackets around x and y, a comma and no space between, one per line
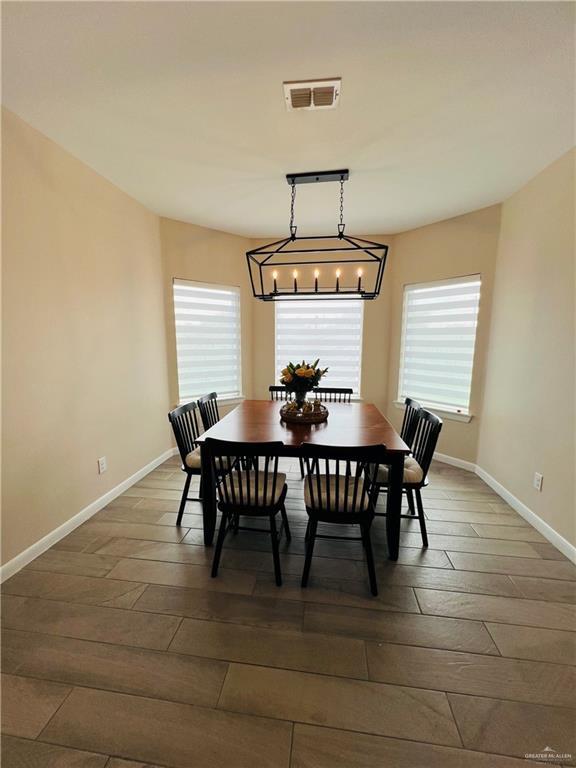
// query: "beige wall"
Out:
[209,256]
[84,347]
[528,415]
[464,245]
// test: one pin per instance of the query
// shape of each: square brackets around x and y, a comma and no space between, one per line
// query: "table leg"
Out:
[394,505]
[208,498]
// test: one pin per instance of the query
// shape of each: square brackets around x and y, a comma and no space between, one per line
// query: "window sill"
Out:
[223,400]
[231,400]
[446,413]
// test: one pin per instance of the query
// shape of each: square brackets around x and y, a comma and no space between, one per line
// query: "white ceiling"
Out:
[445,107]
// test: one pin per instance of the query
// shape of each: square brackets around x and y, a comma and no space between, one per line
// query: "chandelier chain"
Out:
[292,201]
[341,224]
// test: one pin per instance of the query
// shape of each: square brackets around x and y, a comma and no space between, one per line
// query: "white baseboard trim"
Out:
[558,541]
[18,562]
[454,462]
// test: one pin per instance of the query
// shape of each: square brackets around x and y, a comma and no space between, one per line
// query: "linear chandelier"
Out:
[320,266]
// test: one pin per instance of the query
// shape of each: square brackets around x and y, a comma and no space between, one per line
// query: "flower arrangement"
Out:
[301,378]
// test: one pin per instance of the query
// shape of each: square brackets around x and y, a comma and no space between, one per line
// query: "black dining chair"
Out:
[346,497]
[184,421]
[428,428]
[209,412]
[251,486]
[278,392]
[412,409]
[333,394]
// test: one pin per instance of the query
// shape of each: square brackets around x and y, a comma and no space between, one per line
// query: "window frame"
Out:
[203,284]
[356,396]
[457,413]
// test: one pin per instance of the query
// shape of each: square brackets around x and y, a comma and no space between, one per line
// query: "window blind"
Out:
[207,319]
[330,329]
[438,338]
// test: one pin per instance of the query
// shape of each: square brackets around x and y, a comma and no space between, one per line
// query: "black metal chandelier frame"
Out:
[276,254]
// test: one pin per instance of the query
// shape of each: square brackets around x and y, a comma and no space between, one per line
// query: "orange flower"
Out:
[305,373]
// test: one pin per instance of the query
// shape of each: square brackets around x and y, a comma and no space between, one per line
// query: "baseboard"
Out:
[18,562]
[558,541]
[454,462]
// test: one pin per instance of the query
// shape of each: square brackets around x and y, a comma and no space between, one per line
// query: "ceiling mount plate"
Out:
[313,176]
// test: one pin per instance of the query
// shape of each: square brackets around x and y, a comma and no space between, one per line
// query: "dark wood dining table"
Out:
[348,425]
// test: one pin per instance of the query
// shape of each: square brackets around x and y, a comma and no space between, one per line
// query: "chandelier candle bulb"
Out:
[275,276]
[359,281]
[295,275]
[337,280]
[316,276]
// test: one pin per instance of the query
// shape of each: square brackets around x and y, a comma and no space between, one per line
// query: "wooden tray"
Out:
[298,417]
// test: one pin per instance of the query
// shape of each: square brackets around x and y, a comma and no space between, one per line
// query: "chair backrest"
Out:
[410,421]
[342,480]
[333,394]
[248,472]
[184,421]
[278,392]
[427,431]
[209,410]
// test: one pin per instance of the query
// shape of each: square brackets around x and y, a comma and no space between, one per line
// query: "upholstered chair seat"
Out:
[332,494]
[254,488]
[412,472]
[192,460]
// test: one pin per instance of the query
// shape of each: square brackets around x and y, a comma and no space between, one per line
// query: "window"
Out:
[438,336]
[330,329]
[207,321]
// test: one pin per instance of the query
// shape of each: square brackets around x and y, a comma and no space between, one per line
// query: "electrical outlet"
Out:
[102,465]
[537,482]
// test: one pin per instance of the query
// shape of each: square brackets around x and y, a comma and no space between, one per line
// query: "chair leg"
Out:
[313,525]
[219,542]
[369,558]
[285,521]
[301,467]
[410,498]
[421,518]
[307,534]
[275,552]
[184,498]
[200,489]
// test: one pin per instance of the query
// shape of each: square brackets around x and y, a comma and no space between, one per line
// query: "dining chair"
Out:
[333,394]
[278,392]
[184,421]
[410,421]
[346,498]
[250,486]
[209,412]
[428,428]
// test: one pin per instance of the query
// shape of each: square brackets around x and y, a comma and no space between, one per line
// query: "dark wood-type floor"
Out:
[120,651]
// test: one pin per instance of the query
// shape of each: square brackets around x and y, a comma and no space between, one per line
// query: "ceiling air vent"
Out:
[312,94]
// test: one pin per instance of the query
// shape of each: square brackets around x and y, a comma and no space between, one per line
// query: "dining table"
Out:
[349,425]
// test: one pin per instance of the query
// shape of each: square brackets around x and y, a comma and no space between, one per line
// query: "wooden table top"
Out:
[349,424]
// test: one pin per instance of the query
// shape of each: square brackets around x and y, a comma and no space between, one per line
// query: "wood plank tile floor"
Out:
[120,651]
